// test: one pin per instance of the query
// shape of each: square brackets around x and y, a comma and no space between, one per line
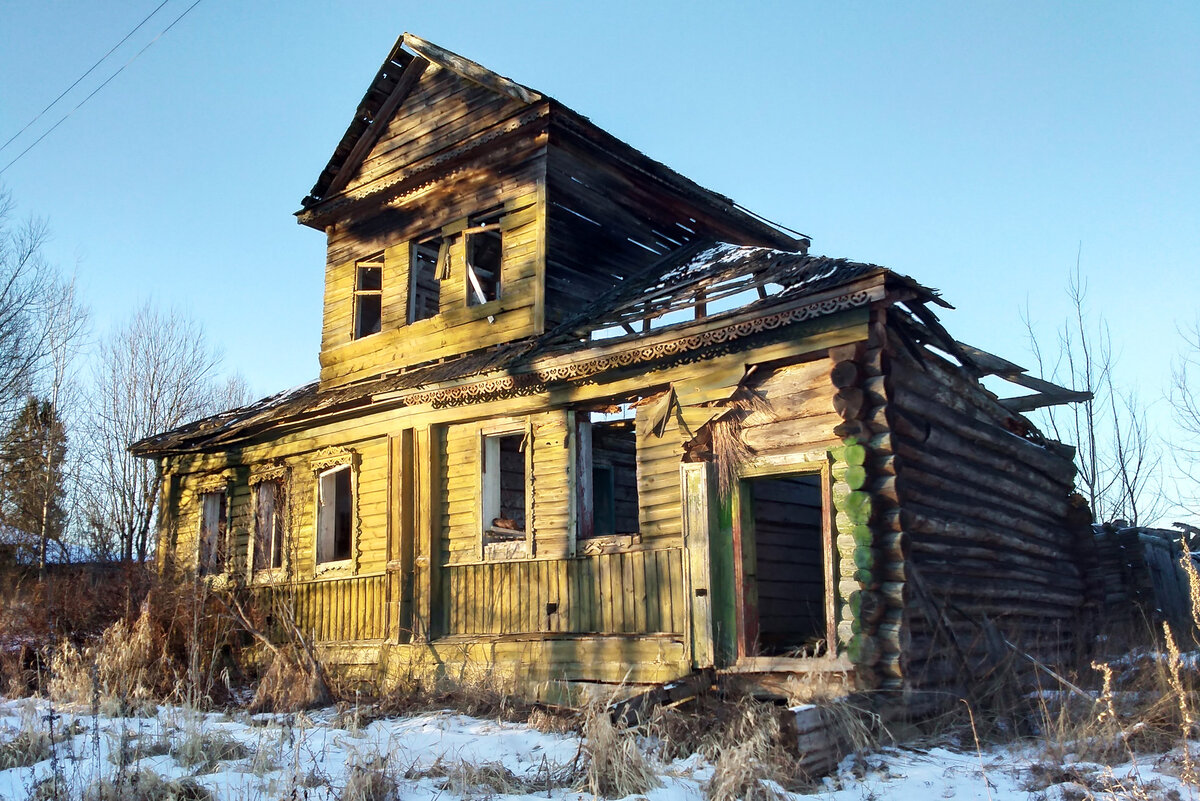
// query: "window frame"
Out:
[440,245]
[328,462]
[500,550]
[375,261]
[279,479]
[486,224]
[218,563]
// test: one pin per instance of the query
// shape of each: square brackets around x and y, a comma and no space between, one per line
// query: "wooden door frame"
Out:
[747,613]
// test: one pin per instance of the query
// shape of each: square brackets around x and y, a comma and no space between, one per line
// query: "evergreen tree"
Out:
[31,480]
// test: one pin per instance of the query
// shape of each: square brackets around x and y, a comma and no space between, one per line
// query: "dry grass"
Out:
[27,746]
[128,665]
[145,785]
[616,766]
[203,750]
[289,685]
[371,781]
[749,759]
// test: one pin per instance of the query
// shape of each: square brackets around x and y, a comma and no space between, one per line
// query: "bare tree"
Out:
[1116,454]
[29,296]
[156,372]
[1185,406]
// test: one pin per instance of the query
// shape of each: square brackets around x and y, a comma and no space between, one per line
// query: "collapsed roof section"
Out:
[740,293]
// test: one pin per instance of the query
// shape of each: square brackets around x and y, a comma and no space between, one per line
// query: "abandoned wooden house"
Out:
[580,420]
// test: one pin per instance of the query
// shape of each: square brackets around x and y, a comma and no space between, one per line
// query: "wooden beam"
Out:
[470,70]
[408,79]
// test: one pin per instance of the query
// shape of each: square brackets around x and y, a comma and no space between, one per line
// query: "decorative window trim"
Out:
[321,463]
[259,475]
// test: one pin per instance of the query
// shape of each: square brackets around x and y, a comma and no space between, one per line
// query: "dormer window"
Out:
[425,286]
[368,296]
[484,251]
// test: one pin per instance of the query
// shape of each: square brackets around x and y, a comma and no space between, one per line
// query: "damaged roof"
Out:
[401,71]
[702,283]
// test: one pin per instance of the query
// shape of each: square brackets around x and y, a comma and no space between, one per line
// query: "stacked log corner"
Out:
[991,571]
[870,549]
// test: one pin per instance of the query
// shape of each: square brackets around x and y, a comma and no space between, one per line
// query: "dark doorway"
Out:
[785,556]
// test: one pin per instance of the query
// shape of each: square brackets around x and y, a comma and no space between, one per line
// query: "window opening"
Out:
[212,532]
[425,286]
[613,492]
[485,246]
[368,296]
[504,487]
[788,557]
[335,512]
[270,503]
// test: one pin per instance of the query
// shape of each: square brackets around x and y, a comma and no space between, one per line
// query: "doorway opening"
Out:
[787,566]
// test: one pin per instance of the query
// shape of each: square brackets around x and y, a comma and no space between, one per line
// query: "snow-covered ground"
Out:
[444,755]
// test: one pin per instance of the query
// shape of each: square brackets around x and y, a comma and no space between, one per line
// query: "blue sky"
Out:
[975,146]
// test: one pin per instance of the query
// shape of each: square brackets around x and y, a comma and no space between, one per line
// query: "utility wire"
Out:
[90,70]
[101,86]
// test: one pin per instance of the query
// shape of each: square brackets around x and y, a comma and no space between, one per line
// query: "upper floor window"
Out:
[484,246]
[368,296]
[425,285]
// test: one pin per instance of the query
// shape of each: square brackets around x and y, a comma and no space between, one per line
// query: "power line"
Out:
[90,70]
[101,86]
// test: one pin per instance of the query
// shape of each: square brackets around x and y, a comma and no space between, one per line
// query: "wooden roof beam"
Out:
[379,122]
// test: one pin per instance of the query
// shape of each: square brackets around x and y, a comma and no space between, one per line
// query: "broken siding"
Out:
[659,498]
[458,327]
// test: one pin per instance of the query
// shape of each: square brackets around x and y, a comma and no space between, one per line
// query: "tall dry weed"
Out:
[616,766]
[749,759]
[128,665]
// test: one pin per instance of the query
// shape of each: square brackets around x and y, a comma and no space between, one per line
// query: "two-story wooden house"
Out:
[581,420]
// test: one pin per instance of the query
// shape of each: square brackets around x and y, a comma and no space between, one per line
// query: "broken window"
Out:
[270,505]
[608,472]
[425,285]
[211,559]
[484,246]
[368,296]
[335,515]
[503,480]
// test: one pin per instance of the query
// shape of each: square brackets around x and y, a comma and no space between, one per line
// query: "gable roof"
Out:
[399,74]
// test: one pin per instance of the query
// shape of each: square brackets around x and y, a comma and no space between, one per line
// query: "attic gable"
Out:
[419,89]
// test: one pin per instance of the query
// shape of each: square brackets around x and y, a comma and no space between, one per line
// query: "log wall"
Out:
[983,514]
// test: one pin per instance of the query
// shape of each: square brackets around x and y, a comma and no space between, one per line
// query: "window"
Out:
[503,475]
[368,296]
[608,466]
[484,251]
[270,506]
[335,515]
[425,286]
[211,558]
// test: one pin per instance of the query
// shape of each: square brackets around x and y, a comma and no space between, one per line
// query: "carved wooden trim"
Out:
[333,456]
[697,347]
[269,471]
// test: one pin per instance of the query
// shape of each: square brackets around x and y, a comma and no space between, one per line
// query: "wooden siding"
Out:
[637,592]
[334,610]
[442,110]
[458,327]
[659,500]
